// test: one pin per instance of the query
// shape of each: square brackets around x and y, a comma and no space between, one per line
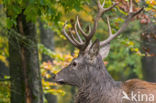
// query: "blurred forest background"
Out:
[32,47]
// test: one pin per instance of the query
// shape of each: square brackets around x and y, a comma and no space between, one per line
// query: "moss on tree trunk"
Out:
[24,65]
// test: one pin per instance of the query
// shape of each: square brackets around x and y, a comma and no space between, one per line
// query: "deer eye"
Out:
[74,64]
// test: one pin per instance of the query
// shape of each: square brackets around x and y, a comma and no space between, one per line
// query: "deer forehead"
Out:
[79,59]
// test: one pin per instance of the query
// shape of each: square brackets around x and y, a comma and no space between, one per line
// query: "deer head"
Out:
[89,62]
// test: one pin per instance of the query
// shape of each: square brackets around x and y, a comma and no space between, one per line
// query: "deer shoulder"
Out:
[139,85]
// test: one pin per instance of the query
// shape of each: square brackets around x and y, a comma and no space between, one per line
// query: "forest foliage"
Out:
[123,62]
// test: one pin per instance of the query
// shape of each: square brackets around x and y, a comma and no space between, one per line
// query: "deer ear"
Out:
[104,51]
[94,49]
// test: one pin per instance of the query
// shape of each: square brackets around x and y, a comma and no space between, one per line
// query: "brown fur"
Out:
[140,86]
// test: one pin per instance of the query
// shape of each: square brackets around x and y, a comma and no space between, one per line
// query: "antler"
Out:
[88,36]
[131,14]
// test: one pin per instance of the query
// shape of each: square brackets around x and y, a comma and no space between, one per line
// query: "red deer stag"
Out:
[89,74]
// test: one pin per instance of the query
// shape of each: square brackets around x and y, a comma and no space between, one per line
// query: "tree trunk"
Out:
[47,39]
[149,45]
[24,65]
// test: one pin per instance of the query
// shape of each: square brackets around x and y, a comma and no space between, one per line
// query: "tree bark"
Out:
[17,83]
[149,45]
[24,65]
[47,39]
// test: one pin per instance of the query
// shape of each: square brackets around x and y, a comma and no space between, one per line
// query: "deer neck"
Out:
[101,77]
[100,85]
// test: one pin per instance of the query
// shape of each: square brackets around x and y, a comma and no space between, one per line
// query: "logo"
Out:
[138,97]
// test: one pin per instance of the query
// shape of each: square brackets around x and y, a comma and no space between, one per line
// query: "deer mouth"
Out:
[60,81]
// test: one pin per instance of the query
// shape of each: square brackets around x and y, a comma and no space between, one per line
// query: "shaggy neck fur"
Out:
[99,88]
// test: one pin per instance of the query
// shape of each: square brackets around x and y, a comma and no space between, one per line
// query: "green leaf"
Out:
[10,22]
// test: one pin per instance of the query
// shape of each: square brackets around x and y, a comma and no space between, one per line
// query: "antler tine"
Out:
[67,36]
[125,24]
[75,40]
[80,28]
[89,31]
[103,4]
[75,26]
[131,7]
[109,8]
[88,36]
[99,4]
[109,27]
[101,10]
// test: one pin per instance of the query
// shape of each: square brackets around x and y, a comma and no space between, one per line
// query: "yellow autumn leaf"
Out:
[137,1]
[135,49]
[4,60]
[1,1]
[151,2]
[68,26]
[48,76]
[130,43]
